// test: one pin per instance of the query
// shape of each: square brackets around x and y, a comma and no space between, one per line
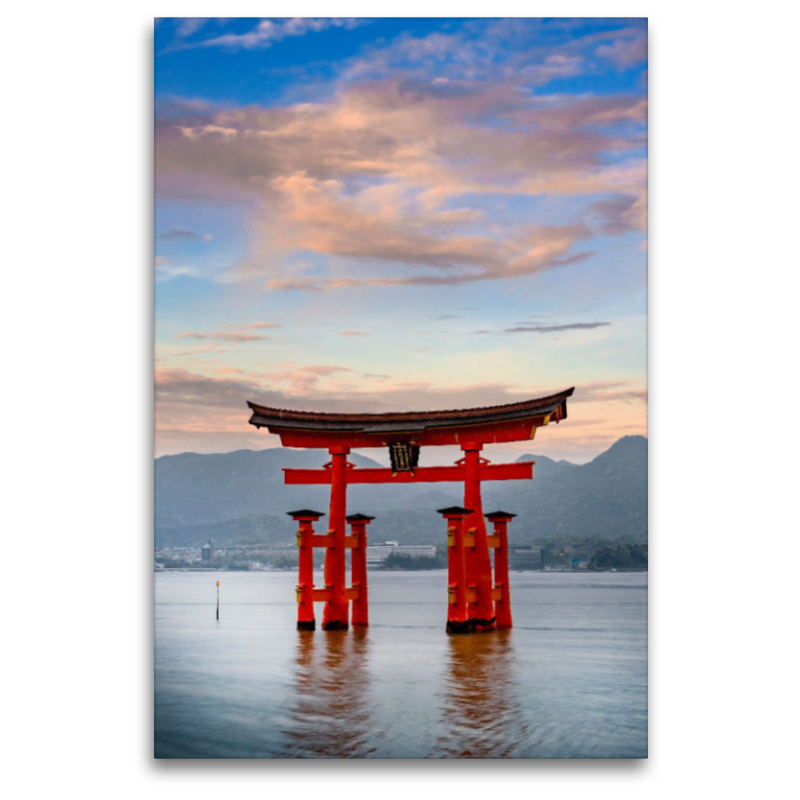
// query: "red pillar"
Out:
[503,605]
[305,582]
[358,566]
[457,619]
[478,562]
[337,609]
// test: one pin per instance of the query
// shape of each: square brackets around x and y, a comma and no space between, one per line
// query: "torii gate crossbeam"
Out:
[522,470]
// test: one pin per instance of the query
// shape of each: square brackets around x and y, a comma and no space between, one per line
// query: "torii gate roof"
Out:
[506,423]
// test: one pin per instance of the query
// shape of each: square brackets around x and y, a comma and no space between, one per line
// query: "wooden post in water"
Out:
[477,561]
[305,567]
[457,619]
[217,599]
[358,565]
[336,616]
[501,582]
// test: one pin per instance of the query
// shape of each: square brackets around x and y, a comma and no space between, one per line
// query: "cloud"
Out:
[383,130]
[574,326]
[353,333]
[486,50]
[302,284]
[618,214]
[221,336]
[384,180]
[184,388]
[189,26]
[208,348]
[304,380]
[301,160]
[166,269]
[267,32]
[625,52]
[318,215]
[239,334]
[331,225]
[183,236]
[607,391]
[585,112]
[299,387]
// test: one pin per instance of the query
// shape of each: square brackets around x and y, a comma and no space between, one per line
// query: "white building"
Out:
[378,553]
[524,557]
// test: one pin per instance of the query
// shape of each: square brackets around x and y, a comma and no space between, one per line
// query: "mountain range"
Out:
[240,496]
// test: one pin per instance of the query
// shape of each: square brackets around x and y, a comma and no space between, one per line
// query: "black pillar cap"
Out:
[493,515]
[305,512]
[454,511]
[359,518]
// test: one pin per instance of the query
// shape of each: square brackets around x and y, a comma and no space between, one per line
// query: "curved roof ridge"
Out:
[409,415]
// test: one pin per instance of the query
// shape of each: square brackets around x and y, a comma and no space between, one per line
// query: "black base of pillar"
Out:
[335,625]
[308,625]
[482,625]
[457,627]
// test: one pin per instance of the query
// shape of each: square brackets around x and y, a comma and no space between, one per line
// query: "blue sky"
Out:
[389,214]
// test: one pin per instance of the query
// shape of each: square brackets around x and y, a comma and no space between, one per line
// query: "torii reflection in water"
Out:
[481,713]
[333,714]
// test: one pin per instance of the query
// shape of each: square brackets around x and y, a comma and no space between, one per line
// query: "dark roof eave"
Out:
[404,422]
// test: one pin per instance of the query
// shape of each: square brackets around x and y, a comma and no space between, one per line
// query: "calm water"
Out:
[569,681]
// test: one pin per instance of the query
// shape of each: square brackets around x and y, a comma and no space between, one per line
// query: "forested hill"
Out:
[241,496]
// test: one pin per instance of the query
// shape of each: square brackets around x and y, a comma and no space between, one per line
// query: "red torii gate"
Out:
[474,603]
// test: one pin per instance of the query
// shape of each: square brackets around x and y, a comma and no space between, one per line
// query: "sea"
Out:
[568,681]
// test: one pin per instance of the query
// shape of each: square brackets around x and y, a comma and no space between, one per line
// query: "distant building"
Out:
[207,552]
[378,553]
[524,557]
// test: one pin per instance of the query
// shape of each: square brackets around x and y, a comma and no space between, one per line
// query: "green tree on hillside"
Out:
[625,556]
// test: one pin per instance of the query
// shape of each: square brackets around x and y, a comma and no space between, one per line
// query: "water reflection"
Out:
[481,715]
[332,715]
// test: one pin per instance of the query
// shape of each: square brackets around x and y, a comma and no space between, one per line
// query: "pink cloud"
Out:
[240,335]
[412,142]
[304,380]
[221,336]
[459,260]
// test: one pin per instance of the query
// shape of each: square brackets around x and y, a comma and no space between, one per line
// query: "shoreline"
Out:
[548,571]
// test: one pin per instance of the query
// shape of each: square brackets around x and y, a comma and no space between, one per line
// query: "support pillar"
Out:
[502,605]
[457,619]
[478,562]
[337,609]
[358,567]
[305,582]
